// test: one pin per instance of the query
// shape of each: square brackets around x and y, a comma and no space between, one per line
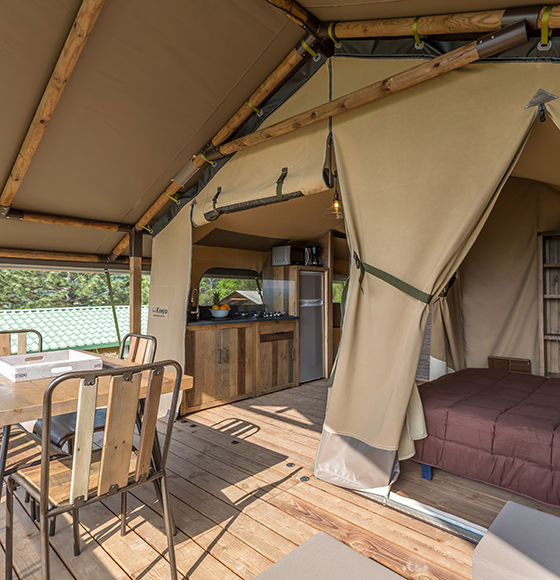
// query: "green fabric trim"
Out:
[330,32]
[309,49]
[545,33]
[256,109]
[417,37]
[392,280]
[280,183]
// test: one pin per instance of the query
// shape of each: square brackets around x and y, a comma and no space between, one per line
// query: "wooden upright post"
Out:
[135,282]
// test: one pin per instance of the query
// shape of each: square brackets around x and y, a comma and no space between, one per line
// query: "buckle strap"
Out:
[280,183]
[390,279]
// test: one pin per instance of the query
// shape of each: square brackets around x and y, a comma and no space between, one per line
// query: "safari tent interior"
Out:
[191,139]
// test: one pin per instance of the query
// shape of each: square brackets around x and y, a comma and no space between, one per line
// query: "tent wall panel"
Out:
[499,276]
[419,175]
[169,289]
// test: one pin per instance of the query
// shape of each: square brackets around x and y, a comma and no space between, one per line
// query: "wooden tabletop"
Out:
[23,401]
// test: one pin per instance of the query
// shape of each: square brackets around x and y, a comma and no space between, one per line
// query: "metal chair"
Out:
[142,349]
[6,341]
[19,447]
[72,483]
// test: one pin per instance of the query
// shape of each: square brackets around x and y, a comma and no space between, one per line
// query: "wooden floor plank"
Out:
[93,562]
[192,560]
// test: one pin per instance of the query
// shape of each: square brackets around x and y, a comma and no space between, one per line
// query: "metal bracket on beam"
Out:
[528,13]
[12,214]
[4,211]
[504,39]
[135,247]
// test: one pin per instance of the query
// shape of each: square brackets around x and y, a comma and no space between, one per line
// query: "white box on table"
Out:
[44,365]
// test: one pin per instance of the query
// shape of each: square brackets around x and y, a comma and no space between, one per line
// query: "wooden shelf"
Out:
[552,337]
[556,265]
[551,296]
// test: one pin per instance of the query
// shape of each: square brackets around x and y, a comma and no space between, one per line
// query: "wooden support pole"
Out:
[463,23]
[54,220]
[135,294]
[55,256]
[409,78]
[79,33]
[296,13]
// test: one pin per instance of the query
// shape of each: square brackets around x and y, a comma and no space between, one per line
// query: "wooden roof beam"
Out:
[79,33]
[26,216]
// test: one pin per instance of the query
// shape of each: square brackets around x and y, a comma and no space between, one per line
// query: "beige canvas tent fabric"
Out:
[169,289]
[252,174]
[499,300]
[419,175]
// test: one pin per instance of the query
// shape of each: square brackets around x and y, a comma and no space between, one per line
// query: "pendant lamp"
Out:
[335,210]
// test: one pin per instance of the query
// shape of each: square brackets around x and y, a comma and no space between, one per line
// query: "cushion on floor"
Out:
[521,544]
[324,558]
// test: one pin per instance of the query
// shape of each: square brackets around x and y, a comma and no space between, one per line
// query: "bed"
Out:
[495,426]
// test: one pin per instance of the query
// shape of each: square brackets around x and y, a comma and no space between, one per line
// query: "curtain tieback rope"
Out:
[280,183]
[392,280]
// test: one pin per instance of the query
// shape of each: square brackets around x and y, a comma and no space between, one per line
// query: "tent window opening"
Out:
[337,288]
[231,286]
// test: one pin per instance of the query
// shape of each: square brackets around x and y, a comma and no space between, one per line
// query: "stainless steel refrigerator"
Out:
[311,325]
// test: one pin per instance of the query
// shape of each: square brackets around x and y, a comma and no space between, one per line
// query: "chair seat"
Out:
[324,558]
[24,450]
[61,477]
[63,427]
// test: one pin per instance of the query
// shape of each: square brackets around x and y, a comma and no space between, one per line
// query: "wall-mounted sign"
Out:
[159,312]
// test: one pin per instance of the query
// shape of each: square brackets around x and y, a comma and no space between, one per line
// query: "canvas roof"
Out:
[155,82]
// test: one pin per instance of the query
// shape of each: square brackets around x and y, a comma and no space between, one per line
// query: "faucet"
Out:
[194,304]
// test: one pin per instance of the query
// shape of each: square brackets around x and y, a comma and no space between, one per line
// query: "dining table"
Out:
[23,401]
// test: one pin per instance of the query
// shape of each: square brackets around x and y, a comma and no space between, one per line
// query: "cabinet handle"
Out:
[219,356]
[293,353]
[225,355]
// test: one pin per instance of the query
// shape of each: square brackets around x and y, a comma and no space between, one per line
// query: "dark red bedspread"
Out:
[497,427]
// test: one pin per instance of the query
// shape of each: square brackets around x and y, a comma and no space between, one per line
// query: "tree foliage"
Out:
[225,286]
[24,289]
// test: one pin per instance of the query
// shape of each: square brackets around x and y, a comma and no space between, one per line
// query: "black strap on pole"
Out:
[280,183]
[390,279]
[217,212]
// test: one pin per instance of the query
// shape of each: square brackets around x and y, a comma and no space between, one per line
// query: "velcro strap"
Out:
[280,183]
[392,280]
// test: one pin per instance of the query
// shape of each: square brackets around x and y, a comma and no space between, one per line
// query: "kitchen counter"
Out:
[239,320]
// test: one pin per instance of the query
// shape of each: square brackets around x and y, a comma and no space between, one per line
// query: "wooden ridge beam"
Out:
[297,13]
[461,23]
[79,33]
[491,44]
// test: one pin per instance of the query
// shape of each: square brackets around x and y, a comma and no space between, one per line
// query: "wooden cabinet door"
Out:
[276,353]
[220,358]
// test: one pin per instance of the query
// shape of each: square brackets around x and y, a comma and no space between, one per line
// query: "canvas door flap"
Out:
[169,291]
[419,174]
[253,174]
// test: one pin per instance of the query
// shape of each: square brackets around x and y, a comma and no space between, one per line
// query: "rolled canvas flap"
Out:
[252,174]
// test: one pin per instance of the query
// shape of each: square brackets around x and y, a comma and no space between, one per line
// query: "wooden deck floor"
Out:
[240,504]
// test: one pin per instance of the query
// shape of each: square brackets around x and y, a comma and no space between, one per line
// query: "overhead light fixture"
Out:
[335,210]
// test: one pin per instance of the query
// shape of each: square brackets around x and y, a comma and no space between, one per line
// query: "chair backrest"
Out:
[141,349]
[119,465]
[6,341]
